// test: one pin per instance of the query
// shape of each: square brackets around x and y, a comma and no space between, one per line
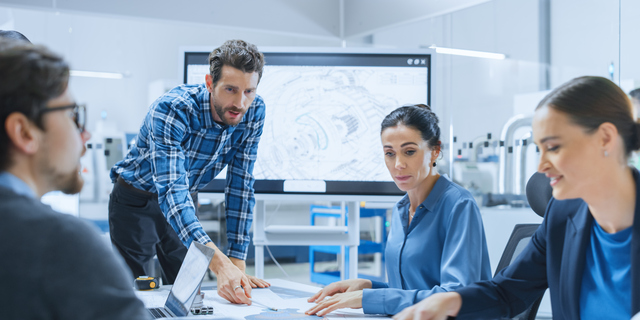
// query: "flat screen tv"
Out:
[323,112]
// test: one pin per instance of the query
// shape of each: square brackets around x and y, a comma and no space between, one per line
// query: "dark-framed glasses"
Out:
[79,114]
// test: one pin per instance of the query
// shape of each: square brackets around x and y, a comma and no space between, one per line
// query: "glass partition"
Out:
[485,104]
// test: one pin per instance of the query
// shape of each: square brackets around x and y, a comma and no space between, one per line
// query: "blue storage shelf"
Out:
[365,246]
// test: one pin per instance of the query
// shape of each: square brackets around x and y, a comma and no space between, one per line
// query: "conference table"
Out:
[288,297]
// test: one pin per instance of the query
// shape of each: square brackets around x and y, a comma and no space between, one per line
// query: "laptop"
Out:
[186,285]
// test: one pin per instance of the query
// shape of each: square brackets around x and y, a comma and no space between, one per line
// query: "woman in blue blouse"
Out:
[436,242]
[587,250]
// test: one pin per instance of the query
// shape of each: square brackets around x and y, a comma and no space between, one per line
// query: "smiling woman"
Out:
[587,250]
[588,124]
[435,211]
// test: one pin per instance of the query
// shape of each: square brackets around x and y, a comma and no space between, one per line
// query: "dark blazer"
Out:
[555,258]
[55,266]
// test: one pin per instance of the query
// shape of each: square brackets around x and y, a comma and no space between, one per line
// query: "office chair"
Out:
[538,194]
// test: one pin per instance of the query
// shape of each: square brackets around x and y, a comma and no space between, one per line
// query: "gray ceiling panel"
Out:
[319,18]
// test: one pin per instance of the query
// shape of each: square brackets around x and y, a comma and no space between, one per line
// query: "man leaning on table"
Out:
[189,135]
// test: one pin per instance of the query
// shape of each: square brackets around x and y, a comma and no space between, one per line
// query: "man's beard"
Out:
[220,110]
[70,183]
[67,182]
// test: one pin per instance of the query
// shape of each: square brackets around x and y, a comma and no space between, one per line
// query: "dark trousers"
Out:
[139,231]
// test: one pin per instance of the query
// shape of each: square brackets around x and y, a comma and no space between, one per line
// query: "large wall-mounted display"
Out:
[324,108]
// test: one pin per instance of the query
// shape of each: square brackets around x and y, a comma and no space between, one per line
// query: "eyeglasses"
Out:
[79,114]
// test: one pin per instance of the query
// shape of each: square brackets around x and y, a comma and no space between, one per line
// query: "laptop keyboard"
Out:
[159,313]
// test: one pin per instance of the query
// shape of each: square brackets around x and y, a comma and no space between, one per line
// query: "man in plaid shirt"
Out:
[188,136]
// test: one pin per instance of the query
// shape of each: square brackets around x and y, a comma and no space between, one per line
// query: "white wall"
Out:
[584,38]
[629,43]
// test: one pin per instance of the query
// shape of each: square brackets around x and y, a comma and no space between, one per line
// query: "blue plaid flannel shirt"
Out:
[180,149]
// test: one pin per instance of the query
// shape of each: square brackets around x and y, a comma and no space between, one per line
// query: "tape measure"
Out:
[146,283]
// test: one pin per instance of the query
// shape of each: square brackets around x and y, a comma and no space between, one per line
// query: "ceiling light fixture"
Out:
[469,53]
[94,74]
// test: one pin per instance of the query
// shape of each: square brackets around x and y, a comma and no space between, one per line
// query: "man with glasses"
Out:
[76,112]
[52,266]
[189,135]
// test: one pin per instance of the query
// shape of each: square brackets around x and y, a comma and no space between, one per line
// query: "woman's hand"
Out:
[352,299]
[340,287]
[436,307]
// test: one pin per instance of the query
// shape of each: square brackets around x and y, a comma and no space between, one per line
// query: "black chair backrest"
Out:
[519,239]
[539,192]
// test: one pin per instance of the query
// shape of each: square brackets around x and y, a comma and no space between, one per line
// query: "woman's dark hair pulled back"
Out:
[591,101]
[419,117]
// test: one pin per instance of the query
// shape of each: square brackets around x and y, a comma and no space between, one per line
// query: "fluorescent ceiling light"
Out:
[469,53]
[93,74]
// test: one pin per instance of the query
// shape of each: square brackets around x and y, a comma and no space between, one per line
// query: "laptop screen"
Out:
[189,277]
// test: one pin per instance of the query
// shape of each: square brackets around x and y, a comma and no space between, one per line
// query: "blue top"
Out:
[180,149]
[15,184]
[606,281]
[443,249]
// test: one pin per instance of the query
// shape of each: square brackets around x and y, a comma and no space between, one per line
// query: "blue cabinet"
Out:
[365,246]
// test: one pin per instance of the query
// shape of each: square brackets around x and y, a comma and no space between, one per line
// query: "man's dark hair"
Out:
[31,76]
[12,34]
[238,54]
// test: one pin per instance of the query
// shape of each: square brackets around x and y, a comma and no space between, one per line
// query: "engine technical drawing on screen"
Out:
[324,122]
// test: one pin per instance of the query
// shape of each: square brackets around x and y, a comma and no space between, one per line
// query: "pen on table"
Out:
[254,301]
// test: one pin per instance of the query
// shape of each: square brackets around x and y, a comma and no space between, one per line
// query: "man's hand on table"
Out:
[233,284]
[255,282]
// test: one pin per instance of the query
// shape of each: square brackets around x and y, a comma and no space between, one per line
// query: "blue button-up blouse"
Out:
[443,249]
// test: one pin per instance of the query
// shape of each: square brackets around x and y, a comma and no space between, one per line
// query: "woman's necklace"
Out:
[410,218]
